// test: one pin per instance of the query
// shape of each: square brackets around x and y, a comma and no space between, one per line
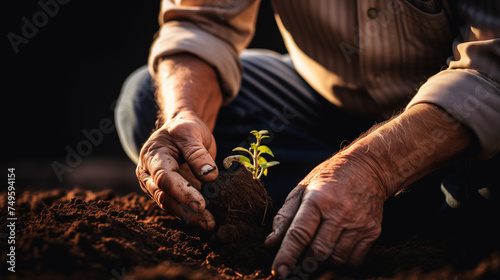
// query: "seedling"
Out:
[256,163]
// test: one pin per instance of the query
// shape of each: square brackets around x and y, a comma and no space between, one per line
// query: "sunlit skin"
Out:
[334,214]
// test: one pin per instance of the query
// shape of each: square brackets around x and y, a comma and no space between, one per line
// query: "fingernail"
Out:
[203,224]
[282,271]
[195,205]
[207,169]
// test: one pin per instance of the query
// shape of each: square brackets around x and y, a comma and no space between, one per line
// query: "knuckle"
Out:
[193,152]
[374,229]
[151,152]
[341,253]
[335,259]
[299,235]
[179,128]
[159,178]
[317,208]
[319,202]
[320,250]
[146,148]
[316,196]
[156,196]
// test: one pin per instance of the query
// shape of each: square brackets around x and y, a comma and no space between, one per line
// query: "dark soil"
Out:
[81,234]
[240,205]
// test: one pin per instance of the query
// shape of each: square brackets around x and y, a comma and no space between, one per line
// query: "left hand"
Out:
[336,211]
[335,214]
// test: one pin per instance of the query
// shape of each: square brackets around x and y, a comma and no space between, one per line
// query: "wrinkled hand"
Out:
[334,214]
[173,164]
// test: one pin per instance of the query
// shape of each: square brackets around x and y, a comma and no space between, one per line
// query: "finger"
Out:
[199,160]
[182,191]
[343,248]
[186,172]
[165,175]
[360,250]
[204,221]
[284,217]
[150,188]
[324,241]
[297,237]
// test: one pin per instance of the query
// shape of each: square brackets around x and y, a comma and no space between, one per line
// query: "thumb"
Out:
[199,160]
[193,138]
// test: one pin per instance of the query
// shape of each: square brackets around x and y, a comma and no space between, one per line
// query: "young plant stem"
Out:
[256,160]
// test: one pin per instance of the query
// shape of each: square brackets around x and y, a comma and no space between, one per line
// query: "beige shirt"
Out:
[369,57]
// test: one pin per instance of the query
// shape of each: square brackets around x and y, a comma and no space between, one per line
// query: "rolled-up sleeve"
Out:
[214,30]
[469,89]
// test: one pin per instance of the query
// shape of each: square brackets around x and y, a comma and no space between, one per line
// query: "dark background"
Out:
[67,78]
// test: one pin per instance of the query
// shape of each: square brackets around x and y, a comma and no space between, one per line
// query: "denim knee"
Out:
[136,112]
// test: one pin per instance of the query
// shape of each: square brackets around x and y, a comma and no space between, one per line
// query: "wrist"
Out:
[188,85]
[367,166]
[410,146]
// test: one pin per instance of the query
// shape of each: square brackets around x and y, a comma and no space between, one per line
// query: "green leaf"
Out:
[272,163]
[246,162]
[264,166]
[244,159]
[255,133]
[262,132]
[241,149]
[262,159]
[248,165]
[265,149]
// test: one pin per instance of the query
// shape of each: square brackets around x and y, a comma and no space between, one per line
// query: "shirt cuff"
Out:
[178,37]
[471,99]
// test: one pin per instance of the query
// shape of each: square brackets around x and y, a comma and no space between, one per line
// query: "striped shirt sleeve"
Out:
[214,30]
[469,89]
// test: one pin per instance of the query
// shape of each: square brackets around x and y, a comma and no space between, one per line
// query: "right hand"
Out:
[174,163]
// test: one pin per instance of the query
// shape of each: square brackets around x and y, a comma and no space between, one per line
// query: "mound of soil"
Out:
[81,234]
[240,205]
[86,235]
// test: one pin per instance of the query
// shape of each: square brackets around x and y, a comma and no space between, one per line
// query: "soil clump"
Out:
[240,205]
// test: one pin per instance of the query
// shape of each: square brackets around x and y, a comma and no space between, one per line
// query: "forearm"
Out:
[410,146]
[188,84]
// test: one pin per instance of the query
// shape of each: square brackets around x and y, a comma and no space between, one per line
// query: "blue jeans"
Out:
[305,130]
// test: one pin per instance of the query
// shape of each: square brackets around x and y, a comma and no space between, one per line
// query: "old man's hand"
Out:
[334,214]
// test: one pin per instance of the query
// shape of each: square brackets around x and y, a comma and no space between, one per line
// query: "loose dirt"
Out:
[82,234]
